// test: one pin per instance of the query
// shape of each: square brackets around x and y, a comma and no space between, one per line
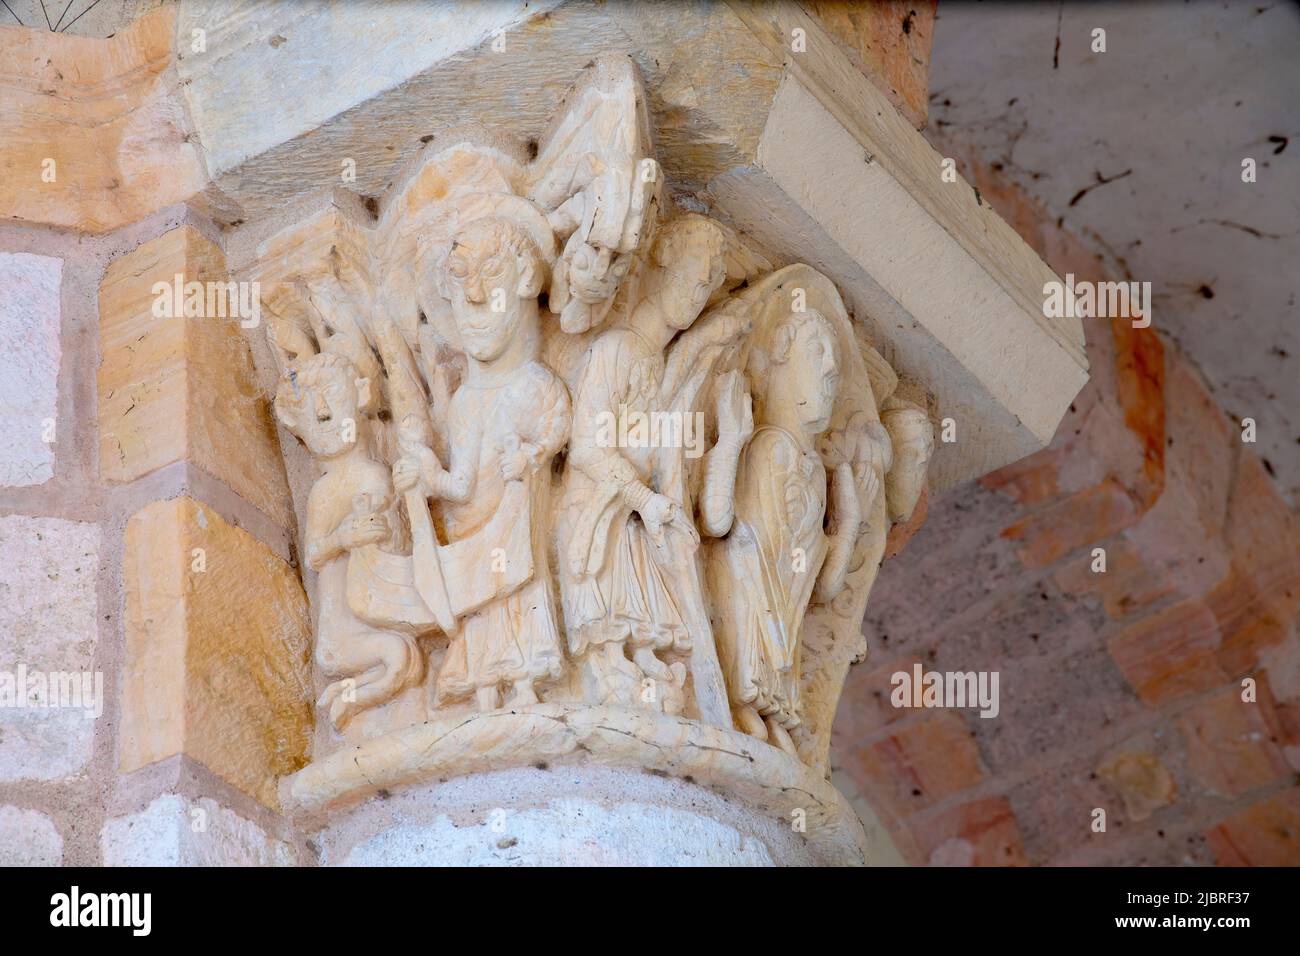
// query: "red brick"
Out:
[1174,542]
[982,832]
[1140,386]
[1263,535]
[1030,481]
[1265,834]
[918,764]
[1128,584]
[1148,466]
[1281,667]
[1201,445]
[865,706]
[1288,720]
[1232,745]
[1246,624]
[1171,653]
[1080,520]
[1098,446]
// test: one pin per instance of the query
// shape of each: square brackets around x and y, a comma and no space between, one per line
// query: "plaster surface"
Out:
[1166,115]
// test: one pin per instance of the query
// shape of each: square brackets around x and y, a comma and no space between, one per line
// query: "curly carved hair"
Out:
[507,235]
[678,235]
[311,372]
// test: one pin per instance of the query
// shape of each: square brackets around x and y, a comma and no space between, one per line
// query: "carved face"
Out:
[913,442]
[320,403]
[809,376]
[488,285]
[594,273]
[691,281]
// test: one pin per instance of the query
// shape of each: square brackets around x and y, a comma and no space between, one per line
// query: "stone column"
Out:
[563,784]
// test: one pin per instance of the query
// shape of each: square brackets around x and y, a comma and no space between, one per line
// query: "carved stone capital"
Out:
[583,478]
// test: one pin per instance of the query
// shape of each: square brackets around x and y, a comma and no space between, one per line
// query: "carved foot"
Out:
[340,699]
[780,738]
[611,677]
[748,720]
[651,666]
[673,696]
[524,695]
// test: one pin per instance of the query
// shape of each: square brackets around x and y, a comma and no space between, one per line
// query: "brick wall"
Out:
[1120,690]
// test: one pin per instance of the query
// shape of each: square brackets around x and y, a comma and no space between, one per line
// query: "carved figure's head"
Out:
[690,252]
[594,273]
[321,399]
[586,280]
[491,277]
[800,365]
[912,436]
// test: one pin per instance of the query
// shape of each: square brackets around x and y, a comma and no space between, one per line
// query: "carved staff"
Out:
[411,410]
[706,671]
[429,580]
[690,362]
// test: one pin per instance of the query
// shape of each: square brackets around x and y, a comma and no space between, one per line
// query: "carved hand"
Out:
[731,324]
[656,512]
[417,467]
[868,486]
[735,410]
[515,460]
[360,530]
[660,510]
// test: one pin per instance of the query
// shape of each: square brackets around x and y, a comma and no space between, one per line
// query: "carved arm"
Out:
[848,520]
[735,426]
[361,527]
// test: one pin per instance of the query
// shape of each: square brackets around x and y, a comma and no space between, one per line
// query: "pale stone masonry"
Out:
[28,838]
[176,831]
[217,635]
[29,340]
[63,543]
[177,387]
[47,617]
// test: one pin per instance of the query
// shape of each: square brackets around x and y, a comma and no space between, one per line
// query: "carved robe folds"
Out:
[510,633]
[769,566]
[617,582]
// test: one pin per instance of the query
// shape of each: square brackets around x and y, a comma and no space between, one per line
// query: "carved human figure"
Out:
[766,569]
[605,223]
[506,422]
[321,400]
[912,437]
[627,577]
[586,281]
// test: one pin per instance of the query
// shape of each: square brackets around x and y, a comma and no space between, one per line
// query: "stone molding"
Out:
[732,763]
